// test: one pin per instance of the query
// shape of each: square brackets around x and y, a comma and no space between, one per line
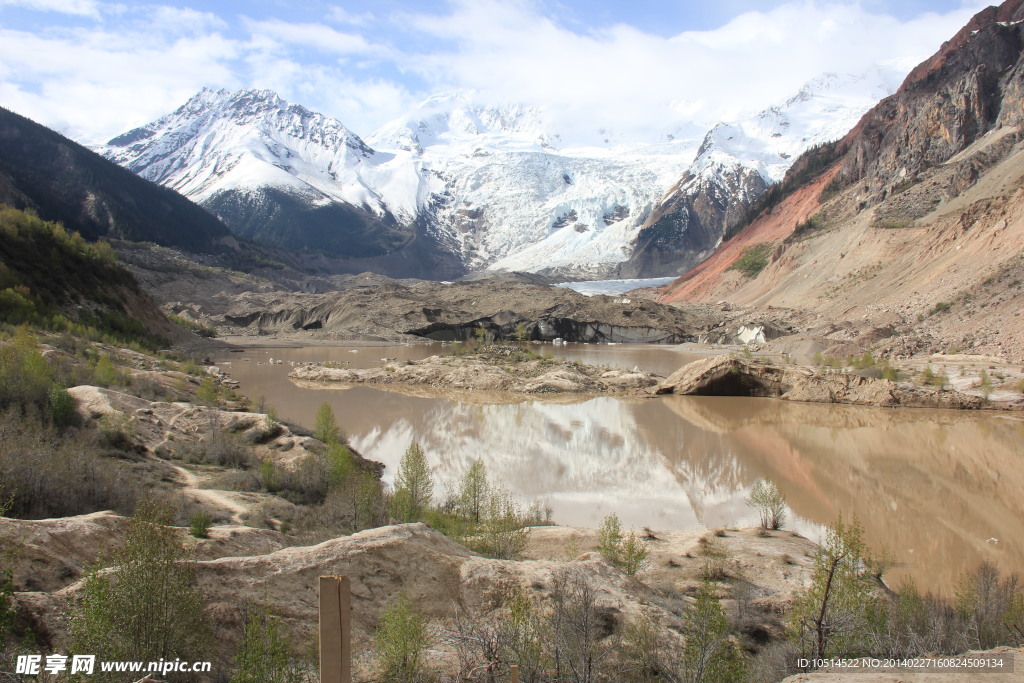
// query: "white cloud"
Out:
[628,80]
[96,84]
[86,8]
[340,15]
[134,64]
[317,36]
[185,20]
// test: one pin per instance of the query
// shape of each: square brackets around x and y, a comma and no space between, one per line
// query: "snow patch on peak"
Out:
[453,121]
[824,109]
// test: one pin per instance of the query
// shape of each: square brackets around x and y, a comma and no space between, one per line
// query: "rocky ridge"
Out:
[418,310]
[915,221]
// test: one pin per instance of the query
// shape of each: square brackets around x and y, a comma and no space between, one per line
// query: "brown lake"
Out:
[941,489]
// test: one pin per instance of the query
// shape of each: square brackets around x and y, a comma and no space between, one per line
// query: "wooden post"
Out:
[335,629]
[515,673]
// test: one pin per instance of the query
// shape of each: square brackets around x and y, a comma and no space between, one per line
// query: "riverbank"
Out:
[519,369]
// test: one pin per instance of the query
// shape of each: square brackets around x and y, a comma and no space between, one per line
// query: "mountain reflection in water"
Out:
[933,486]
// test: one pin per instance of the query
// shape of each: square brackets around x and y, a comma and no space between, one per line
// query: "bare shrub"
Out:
[716,559]
[489,641]
[579,630]
[57,474]
[769,502]
[774,662]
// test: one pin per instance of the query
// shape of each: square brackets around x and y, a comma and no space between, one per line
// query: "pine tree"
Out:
[326,428]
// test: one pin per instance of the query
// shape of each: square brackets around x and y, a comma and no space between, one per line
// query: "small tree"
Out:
[326,427]
[61,405]
[522,335]
[199,524]
[633,555]
[526,645]
[833,616]
[502,534]
[414,487]
[401,639]
[575,632]
[147,607]
[339,464]
[709,653]
[992,607]
[609,538]
[769,502]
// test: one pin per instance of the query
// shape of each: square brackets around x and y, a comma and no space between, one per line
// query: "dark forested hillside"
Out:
[53,279]
[63,181]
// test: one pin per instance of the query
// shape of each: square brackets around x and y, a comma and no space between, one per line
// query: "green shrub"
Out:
[199,524]
[609,538]
[929,377]
[985,383]
[25,376]
[401,640]
[192,326]
[753,260]
[264,653]
[626,552]
[61,405]
[207,393]
[834,187]
[104,373]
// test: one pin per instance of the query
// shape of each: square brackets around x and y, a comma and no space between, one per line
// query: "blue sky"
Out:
[93,68]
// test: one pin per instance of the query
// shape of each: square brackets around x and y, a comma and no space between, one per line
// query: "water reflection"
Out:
[931,485]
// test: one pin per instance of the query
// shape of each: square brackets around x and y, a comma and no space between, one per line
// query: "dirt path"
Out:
[211,497]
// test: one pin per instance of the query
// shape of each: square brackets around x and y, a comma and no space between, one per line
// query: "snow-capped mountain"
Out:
[220,141]
[489,186]
[738,160]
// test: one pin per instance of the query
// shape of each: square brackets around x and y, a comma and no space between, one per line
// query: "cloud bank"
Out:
[93,69]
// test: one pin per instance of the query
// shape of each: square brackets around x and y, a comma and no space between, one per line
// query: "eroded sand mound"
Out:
[442,576]
[453,372]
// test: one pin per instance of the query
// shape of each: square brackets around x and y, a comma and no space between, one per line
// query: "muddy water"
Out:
[933,486]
